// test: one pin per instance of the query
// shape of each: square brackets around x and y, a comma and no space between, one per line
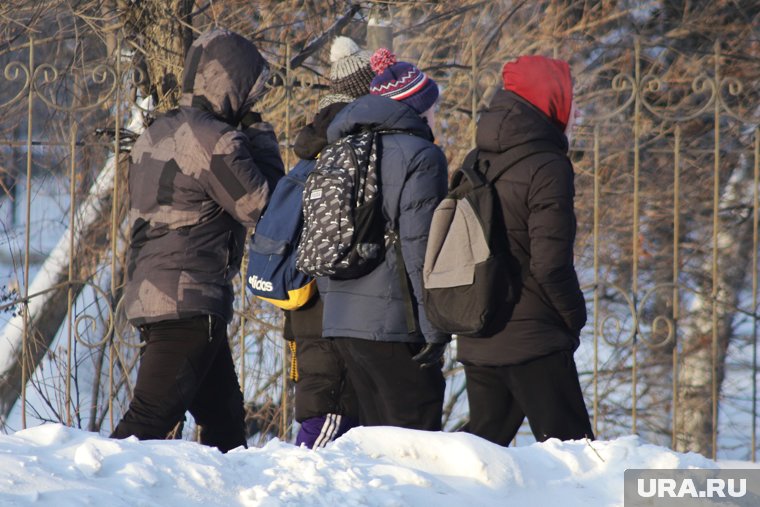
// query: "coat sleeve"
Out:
[265,150]
[424,188]
[244,168]
[551,226]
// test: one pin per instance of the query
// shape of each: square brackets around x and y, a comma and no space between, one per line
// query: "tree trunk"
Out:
[694,412]
[162,30]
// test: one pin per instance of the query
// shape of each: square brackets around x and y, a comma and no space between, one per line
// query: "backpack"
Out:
[272,274]
[468,273]
[344,226]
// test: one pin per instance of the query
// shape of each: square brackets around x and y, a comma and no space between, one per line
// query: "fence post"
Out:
[676,269]
[474,91]
[636,223]
[596,280]
[69,292]
[27,237]
[755,246]
[716,225]
[288,104]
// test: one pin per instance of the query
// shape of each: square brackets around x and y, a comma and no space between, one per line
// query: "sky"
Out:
[52,465]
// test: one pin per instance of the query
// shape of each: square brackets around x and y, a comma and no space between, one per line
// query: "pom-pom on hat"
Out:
[402,81]
[350,73]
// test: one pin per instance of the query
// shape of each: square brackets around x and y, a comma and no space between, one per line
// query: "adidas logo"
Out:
[257,283]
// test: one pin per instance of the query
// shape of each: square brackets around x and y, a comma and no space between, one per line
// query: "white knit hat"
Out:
[350,72]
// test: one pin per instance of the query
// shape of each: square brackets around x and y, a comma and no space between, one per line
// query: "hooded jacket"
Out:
[196,182]
[413,176]
[536,198]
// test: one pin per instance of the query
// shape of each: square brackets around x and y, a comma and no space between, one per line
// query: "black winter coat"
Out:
[536,196]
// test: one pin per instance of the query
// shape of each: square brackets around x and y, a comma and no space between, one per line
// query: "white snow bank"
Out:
[56,466]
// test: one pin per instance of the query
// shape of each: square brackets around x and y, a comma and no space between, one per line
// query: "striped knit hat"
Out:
[350,73]
[402,81]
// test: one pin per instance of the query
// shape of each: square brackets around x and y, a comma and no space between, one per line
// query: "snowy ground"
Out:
[56,466]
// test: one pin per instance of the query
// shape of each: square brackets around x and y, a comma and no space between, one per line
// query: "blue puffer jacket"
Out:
[414,178]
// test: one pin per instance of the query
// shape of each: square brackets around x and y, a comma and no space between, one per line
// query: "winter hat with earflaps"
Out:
[350,72]
[402,81]
[544,82]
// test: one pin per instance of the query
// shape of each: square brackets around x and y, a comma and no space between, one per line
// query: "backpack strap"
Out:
[477,177]
[293,361]
[411,322]
[470,170]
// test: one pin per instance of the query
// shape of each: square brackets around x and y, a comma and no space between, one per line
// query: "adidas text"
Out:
[258,284]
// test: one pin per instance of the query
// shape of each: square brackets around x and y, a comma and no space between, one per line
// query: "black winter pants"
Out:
[546,390]
[323,386]
[186,364]
[391,388]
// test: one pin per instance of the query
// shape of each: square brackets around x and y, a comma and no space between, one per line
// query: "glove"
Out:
[250,118]
[430,355]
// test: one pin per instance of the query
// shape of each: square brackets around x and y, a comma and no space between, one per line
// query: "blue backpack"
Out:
[272,274]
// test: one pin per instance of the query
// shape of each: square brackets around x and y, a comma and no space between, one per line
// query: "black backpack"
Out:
[343,234]
[469,275]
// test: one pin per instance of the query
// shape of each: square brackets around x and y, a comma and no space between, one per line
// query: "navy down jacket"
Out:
[413,173]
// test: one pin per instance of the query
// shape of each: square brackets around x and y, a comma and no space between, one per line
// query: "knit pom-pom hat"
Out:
[350,73]
[402,81]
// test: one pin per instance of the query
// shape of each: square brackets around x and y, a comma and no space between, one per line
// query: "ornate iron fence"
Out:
[667,157]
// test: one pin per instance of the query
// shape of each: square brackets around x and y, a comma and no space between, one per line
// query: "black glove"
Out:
[431,354]
[250,118]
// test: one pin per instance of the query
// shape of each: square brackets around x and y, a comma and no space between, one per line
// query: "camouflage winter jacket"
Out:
[196,182]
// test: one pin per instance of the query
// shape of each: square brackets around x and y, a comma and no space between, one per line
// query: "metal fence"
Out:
[667,161]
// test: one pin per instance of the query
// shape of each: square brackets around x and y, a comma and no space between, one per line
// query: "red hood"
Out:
[544,82]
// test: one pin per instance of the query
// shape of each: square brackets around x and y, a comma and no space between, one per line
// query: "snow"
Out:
[53,465]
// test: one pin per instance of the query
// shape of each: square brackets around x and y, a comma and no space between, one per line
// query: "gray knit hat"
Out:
[350,73]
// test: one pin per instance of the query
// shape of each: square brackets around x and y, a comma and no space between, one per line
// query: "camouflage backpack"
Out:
[344,227]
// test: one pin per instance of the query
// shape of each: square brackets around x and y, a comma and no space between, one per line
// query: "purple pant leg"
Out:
[318,431]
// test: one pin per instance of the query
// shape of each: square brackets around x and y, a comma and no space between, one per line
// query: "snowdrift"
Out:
[56,466]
